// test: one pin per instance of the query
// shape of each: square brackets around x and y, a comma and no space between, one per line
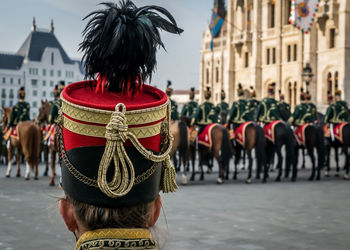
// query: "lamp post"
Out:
[307,75]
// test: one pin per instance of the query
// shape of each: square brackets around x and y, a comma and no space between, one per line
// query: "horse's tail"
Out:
[260,145]
[320,146]
[226,148]
[290,149]
[183,147]
[346,137]
[32,144]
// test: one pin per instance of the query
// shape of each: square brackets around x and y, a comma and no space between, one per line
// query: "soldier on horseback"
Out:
[305,112]
[174,114]
[268,110]
[20,111]
[190,107]
[337,112]
[222,108]
[57,103]
[281,103]
[253,103]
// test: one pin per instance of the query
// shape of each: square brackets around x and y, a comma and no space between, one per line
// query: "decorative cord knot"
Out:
[117,128]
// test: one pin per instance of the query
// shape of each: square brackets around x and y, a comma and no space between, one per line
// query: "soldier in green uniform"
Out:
[283,106]
[300,115]
[57,103]
[222,108]
[240,111]
[20,111]
[268,110]
[174,113]
[311,108]
[190,107]
[206,113]
[338,111]
[253,103]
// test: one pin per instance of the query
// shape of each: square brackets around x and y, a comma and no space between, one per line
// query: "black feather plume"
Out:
[121,41]
[168,84]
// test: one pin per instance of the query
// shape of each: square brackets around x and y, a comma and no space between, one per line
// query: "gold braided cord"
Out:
[99,131]
[134,117]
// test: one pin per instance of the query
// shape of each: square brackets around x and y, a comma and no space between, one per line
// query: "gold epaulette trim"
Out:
[100,131]
[134,117]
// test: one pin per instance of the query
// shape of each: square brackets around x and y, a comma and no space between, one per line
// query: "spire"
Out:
[219,8]
[33,25]
[51,27]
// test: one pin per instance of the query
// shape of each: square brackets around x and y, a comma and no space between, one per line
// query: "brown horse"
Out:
[179,131]
[221,150]
[28,143]
[43,117]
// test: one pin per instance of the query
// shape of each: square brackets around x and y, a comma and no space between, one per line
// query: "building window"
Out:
[246,59]
[217,74]
[295,52]
[34,82]
[44,83]
[207,76]
[288,8]
[268,56]
[295,94]
[11,80]
[289,53]
[290,93]
[44,72]
[35,92]
[3,93]
[52,58]
[51,94]
[336,78]
[4,80]
[34,105]
[330,83]
[51,83]
[332,38]
[3,103]
[273,55]
[272,14]
[11,103]
[19,81]
[12,95]
[44,93]
[59,73]
[51,72]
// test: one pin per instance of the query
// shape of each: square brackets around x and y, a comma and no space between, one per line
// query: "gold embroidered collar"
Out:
[114,238]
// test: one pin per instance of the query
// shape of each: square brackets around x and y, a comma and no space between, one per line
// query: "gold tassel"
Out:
[169,177]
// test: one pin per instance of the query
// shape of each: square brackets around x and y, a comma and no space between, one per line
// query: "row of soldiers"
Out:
[21,110]
[265,111]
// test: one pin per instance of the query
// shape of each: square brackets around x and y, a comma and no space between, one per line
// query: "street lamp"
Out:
[307,74]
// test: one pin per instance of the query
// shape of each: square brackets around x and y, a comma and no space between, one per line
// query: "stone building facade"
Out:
[38,65]
[258,46]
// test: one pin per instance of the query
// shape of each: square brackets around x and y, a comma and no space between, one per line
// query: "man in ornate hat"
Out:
[338,111]
[169,91]
[113,131]
[222,107]
[282,104]
[190,107]
[253,103]
[301,114]
[20,112]
[57,102]
[268,110]
[206,113]
[240,111]
[311,108]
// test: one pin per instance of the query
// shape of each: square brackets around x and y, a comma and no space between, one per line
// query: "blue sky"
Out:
[180,63]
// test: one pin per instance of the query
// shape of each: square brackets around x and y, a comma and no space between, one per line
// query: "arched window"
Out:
[240,19]
[288,6]
[295,94]
[249,15]
[271,9]
[329,84]
[217,74]
[290,93]
[207,76]
[336,78]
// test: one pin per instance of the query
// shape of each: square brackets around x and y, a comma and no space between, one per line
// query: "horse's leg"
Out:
[193,161]
[328,155]
[201,155]
[18,159]
[310,152]
[347,162]
[279,162]
[243,160]
[46,159]
[237,160]
[9,158]
[250,163]
[336,161]
[53,166]
[269,154]
[303,165]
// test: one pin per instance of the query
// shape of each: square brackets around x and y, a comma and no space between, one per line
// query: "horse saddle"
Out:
[269,130]
[204,138]
[11,132]
[240,133]
[300,133]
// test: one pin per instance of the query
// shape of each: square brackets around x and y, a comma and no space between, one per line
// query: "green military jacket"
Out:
[189,109]
[337,113]
[20,113]
[174,114]
[205,114]
[268,111]
[55,107]
[284,105]
[240,112]
[223,106]
[303,113]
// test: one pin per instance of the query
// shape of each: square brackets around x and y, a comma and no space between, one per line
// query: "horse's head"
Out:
[44,112]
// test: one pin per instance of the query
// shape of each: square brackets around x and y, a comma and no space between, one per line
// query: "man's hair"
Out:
[95,217]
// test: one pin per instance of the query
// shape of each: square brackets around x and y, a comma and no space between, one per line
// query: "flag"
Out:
[303,14]
[215,27]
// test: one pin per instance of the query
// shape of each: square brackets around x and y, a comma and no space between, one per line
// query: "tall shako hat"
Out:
[308,96]
[223,95]
[169,90]
[56,92]
[207,93]
[280,94]
[192,93]
[114,134]
[21,93]
[302,94]
[252,92]
[240,91]
[271,88]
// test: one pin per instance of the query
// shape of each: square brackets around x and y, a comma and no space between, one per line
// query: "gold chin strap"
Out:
[124,174]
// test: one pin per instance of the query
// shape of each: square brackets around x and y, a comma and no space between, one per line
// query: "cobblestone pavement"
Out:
[202,215]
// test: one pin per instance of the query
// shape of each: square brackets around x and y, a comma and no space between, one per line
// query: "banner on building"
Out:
[303,14]
[215,27]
